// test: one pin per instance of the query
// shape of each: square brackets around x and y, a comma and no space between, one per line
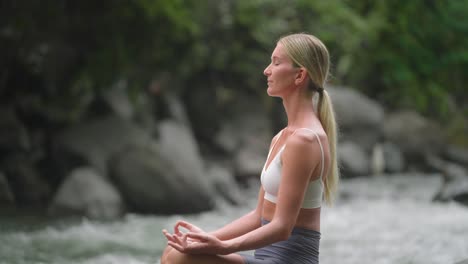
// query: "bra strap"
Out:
[271,149]
[321,149]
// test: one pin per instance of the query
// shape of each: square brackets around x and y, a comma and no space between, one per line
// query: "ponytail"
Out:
[327,118]
[309,52]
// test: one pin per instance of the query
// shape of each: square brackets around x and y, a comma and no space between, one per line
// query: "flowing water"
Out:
[379,220]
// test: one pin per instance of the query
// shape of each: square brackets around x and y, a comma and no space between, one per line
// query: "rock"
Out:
[13,134]
[176,109]
[457,154]
[377,160]
[365,111]
[247,137]
[118,100]
[87,193]
[163,106]
[6,196]
[224,184]
[353,160]
[93,142]
[455,180]
[394,160]
[462,198]
[203,111]
[166,177]
[359,118]
[414,134]
[249,161]
[247,129]
[28,187]
[227,138]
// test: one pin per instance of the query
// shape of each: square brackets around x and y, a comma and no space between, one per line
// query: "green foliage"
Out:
[404,53]
[417,55]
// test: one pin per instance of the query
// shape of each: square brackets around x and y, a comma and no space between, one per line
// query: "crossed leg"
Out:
[172,256]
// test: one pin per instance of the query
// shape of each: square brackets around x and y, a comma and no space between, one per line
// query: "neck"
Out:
[299,109]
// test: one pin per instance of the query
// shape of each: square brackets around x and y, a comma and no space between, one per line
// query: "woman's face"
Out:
[280,73]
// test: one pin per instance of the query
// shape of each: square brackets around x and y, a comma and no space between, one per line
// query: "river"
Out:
[378,220]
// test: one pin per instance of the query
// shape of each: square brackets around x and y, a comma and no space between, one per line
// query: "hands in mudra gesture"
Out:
[194,241]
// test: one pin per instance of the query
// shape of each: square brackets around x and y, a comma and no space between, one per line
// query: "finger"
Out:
[190,227]
[168,235]
[197,236]
[172,238]
[176,246]
[196,248]
[183,224]
[165,232]
[179,224]
[181,240]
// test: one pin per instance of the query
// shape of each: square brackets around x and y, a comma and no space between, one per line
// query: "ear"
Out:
[301,76]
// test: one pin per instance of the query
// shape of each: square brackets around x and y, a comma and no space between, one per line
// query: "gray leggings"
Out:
[302,247]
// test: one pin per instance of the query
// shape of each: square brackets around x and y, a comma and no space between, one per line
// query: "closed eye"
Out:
[275,61]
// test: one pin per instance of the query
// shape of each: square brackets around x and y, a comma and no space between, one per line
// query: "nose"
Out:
[267,71]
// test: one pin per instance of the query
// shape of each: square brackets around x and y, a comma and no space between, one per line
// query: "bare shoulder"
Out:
[277,135]
[302,141]
[275,138]
[306,136]
[302,152]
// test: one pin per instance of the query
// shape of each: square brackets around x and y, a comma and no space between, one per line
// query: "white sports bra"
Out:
[271,178]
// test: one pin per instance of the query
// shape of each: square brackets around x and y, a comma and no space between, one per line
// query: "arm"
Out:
[197,241]
[243,224]
[299,158]
[248,222]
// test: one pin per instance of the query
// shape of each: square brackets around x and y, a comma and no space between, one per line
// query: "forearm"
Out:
[260,237]
[238,227]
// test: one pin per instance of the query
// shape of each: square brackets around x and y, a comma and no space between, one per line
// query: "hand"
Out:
[197,243]
[177,236]
[188,226]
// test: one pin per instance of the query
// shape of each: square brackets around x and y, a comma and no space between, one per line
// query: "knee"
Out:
[172,256]
[165,256]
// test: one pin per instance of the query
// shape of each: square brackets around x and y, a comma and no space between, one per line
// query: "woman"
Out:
[300,170]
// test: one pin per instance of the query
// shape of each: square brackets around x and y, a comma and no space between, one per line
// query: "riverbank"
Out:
[387,219]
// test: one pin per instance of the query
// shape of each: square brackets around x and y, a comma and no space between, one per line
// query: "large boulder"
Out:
[359,118]
[393,158]
[87,193]
[118,100]
[246,135]
[26,183]
[415,135]
[457,154]
[93,142]
[13,134]
[224,184]
[164,177]
[454,180]
[353,160]
[202,108]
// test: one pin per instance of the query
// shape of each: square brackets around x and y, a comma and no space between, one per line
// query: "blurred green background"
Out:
[57,56]
[60,59]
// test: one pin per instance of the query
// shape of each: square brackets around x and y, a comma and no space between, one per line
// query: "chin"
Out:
[272,94]
[269,92]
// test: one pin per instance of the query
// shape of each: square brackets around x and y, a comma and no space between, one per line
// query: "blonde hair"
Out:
[309,52]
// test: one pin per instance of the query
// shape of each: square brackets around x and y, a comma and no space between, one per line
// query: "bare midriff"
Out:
[307,218]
